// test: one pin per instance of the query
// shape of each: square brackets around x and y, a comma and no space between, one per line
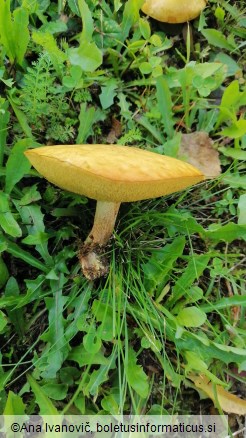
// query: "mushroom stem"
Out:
[93,266]
[104,222]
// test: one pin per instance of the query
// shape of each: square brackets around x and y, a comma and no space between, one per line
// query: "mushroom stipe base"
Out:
[93,264]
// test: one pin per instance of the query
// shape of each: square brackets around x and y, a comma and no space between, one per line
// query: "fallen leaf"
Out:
[197,149]
[228,402]
[115,131]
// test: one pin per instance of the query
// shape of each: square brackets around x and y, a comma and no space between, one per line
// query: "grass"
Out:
[172,307]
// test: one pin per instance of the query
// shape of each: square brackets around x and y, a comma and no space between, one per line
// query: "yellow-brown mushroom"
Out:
[110,174]
[173,11]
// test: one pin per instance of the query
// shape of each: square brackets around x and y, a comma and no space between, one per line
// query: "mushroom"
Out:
[173,11]
[110,174]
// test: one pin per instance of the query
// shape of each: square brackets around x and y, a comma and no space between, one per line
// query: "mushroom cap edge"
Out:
[113,173]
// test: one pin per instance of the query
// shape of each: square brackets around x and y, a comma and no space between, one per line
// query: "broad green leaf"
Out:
[69,375]
[101,310]
[104,314]
[35,6]
[181,222]
[150,341]
[20,33]
[57,344]
[33,218]
[191,317]
[83,357]
[135,375]
[231,101]
[130,16]
[80,306]
[124,106]
[15,315]
[219,14]
[155,132]
[108,93]
[66,212]
[194,362]
[110,405]
[136,46]
[98,377]
[14,405]
[87,56]
[156,40]
[145,68]
[87,21]
[56,391]
[68,82]
[239,351]
[117,5]
[46,406]
[22,119]
[144,28]
[86,120]
[6,29]
[54,27]
[237,154]
[5,377]
[242,367]
[161,262]
[242,210]
[17,165]
[16,251]
[236,130]
[235,181]
[191,273]
[74,80]
[230,95]
[226,233]
[165,105]
[3,321]
[73,4]
[4,273]
[194,294]
[91,341]
[7,220]
[14,34]
[4,120]
[204,70]
[232,66]
[184,76]
[225,303]
[216,38]
[39,238]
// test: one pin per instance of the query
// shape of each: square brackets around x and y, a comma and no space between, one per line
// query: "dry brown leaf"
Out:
[115,131]
[228,402]
[197,149]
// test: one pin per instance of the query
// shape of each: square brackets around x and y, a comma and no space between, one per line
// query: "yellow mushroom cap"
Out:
[112,173]
[173,11]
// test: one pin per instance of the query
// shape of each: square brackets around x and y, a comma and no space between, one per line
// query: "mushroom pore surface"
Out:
[113,173]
